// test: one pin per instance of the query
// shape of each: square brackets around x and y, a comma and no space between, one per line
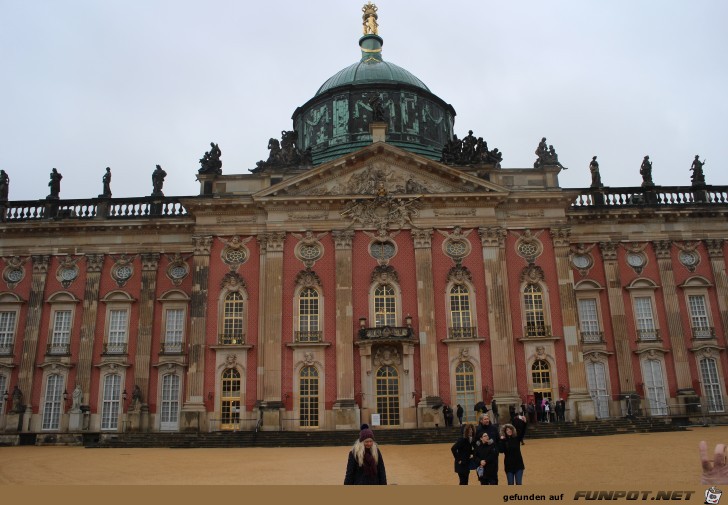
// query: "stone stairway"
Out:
[383,436]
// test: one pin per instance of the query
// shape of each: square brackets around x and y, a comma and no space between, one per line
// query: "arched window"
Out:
[388,395]
[596,378]
[169,408]
[308,397]
[233,328]
[308,316]
[230,400]
[460,314]
[654,387]
[52,403]
[711,385]
[534,311]
[465,389]
[541,375]
[385,306]
[111,402]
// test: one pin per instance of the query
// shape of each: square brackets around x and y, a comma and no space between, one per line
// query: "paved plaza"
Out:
[630,460]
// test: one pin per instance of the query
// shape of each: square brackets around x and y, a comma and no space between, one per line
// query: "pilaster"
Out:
[426,316]
[272,298]
[94,266]
[150,263]
[717,264]
[345,403]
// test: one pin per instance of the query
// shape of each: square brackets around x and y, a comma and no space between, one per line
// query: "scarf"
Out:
[370,466]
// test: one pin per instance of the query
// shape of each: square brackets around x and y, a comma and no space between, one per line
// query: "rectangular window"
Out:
[645,321]
[118,326]
[111,402]
[61,328]
[699,317]
[174,325]
[711,384]
[52,404]
[7,332]
[589,320]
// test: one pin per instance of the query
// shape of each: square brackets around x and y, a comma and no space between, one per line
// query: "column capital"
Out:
[94,262]
[271,242]
[609,250]
[493,236]
[203,244]
[343,238]
[663,249]
[40,263]
[150,261]
[422,238]
[561,236]
[715,247]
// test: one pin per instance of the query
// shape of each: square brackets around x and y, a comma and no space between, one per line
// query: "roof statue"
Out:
[369,19]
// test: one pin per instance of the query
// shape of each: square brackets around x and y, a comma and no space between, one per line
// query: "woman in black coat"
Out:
[365,465]
[486,456]
[463,451]
[511,447]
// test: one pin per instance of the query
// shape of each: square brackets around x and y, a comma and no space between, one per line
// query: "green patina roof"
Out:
[371,69]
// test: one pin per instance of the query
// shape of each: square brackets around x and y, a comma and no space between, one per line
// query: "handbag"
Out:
[480,471]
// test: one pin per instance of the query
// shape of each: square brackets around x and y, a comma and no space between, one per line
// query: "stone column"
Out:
[430,394]
[717,263]
[30,335]
[674,324]
[500,324]
[94,266]
[269,341]
[194,406]
[618,317]
[580,403]
[142,361]
[346,411]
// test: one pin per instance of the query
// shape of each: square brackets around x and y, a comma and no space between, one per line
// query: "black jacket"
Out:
[463,451]
[355,474]
[511,447]
[489,454]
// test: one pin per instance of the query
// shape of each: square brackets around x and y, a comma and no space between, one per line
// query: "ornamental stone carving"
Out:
[609,250]
[663,249]
[528,246]
[422,238]
[382,212]
[459,275]
[40,263]
[14,271]
[342,238]
[464,354]
[150,262]
[387,356]
[203,244]
[561,236]
[271,242]
[177,269]
[493,236]
[309,248]
[384,274]
[715,248]
[532,274]
[123,269]
[308,278]
[231,361]
[67,271]
[94,263]
[233,281]
[235,252]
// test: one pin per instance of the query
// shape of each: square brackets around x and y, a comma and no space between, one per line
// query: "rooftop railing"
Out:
[608,197]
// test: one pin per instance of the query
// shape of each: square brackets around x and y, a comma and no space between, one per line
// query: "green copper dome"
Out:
[371,69]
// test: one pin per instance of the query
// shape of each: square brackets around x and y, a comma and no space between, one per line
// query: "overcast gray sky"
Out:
[134,83]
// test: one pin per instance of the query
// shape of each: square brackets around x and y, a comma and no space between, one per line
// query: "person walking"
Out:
[464,451]
[365,465]
[513,461]
[486,457]
[531,410]
[447,414]
[459,412]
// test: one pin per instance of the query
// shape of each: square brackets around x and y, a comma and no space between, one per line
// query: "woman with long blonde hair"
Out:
[365,465]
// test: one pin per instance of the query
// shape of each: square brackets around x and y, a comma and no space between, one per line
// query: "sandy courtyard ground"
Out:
[602,462]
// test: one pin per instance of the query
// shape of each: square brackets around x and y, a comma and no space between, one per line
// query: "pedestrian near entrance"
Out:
[365,465]
[459,412]
[464,452]
[447,414]
[513,461]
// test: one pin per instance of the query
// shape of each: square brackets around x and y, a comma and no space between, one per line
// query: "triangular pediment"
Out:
[380,168]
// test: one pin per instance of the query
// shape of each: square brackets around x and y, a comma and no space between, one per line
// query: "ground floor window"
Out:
[387,388]
[465,390]
[596,377]
[308,397]
[169,409]
[230,400]
[711,385]
[654,387]
[52,403]
[111,402]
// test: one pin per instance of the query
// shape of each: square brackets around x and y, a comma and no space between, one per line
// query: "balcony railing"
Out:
[650,335]
[386,332]
[237,339]
[172,347]
[92,208]
[537,330]
[308,336]
[462,332]
[6,349]
[703,332]
[58,349]
[657,195]
[120,348]
[592,337]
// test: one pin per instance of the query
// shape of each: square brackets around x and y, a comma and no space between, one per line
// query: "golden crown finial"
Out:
[369,19]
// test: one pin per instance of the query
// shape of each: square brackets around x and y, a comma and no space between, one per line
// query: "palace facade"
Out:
[372,269]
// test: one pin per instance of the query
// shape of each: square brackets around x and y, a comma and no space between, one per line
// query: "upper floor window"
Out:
[385,306]
[308,316]
[61,333]
[644,318]
[460,313]
[233,328]
[118,309]
[534,313]
[7,331]
[696,291]
[174,310]
[589,320]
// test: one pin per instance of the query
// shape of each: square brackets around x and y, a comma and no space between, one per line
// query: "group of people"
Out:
[479,449]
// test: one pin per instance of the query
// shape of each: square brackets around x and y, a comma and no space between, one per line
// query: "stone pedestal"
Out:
[133,421]
[271,419]
[347,415]
[75,421]
[191,417]
[13,423]
[429,413]
[581,408]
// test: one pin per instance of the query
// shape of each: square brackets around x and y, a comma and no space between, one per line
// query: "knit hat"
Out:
[365,434]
